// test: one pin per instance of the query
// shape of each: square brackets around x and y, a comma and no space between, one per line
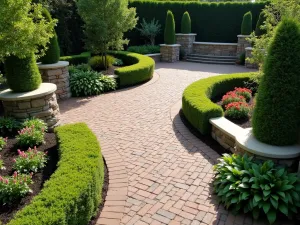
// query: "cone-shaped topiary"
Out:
[186,24]
[52,54]
[276,117]
[258,30]
[24,74]
[247,24]
[170,29]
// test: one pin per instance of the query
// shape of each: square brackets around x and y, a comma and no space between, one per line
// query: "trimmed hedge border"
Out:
[141,68]
[197,106]
[83,58]
[73,193]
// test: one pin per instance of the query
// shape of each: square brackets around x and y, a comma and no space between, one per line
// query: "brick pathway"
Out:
[159,172]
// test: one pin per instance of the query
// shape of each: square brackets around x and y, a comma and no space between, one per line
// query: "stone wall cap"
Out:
[43,90]
[242,35]
[57,65]
[248,142]
[214,43]
[174,45]
[249,48]
[154,54]
[181,34]
[226,126]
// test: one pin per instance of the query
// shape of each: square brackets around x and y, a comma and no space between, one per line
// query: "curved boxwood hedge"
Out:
[73,193]
[83,58]
[196,101]
[140,70]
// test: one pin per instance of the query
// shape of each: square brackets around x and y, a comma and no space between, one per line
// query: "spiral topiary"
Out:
[186,26]
[246,28]
[169,34]
[276,118]
[52,54]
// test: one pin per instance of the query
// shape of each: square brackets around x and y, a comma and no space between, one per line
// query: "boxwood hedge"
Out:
[73,193]
[197,106]
[82,58]
[140,68]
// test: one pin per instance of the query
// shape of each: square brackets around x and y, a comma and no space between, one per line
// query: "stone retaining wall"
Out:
[156,57]
[58,74]
[215,49]
[170,53]
[249,56]
[242,44]
[223,139]
[186,41]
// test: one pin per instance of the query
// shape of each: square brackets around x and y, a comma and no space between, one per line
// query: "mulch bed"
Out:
[9,153]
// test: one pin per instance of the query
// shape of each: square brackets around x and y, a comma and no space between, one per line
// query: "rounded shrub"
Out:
[276,116]
[247,24]
[186,24]
[169,29]
[98,62]
[52,54]
[258,30]
[237,110]
[22,74]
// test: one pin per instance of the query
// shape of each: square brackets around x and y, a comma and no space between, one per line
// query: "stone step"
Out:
[212,57]
[212,61]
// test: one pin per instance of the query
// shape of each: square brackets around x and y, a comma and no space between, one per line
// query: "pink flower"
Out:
[15,174]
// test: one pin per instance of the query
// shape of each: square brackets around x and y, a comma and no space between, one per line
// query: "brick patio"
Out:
[159,172]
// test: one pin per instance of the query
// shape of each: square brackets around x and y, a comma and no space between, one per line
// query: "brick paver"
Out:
[159,172]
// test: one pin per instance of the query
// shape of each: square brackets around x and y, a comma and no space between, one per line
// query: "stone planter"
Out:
[57,73]
[242,44]
[169,53]
[249,55]
[186,41]
[40,103]
[156,56]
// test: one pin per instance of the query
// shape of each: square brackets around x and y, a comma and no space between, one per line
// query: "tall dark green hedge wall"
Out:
[215,22]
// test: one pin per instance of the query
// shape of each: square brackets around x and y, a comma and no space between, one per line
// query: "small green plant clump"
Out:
[237,110]
[30,137]
[1,164]
[247,24]
[100,63]
[38,124]
[118,62]
[13,188]
[144,49]
[30,161]
[244,185]
[186,24]
[169,33]
[3,142]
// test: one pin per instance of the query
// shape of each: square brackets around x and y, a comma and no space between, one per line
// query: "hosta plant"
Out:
[262,189]
[230,97]
[245,92]
[14,187]
[30,161]
[30,137]
[108,83]
[237,110]
[38,124]
[3,142]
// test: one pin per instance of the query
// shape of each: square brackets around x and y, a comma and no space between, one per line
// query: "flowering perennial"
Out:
[29,137]
[232,97]
[30,161]
[237,110]
[245,92]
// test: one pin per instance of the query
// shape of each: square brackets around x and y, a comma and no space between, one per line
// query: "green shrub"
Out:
[144,49]
[150,30]
[276,115]
[232,96]
[52,54]
[22,74]
[3,142]
[83,58]
[8,125]
[73,193]
[97,63]
[242,58]
[258,30]
[2,167]
[244,185]
[140,68]
[237,110]
[170,29]
[118,62]
[245,92]
[88,83]
[30,137]
[82,67]
[38,124]
[197,106]
[186,24]
[247,24]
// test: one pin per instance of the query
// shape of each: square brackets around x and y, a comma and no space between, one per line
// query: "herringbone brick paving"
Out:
[159,172]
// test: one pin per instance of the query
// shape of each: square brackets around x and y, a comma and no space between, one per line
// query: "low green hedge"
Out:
[196,101]
[140,68]
[83,58]
[73,193]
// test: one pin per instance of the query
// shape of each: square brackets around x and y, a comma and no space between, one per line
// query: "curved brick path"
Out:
[159,172]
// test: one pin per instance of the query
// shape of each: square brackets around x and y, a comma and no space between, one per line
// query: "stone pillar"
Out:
[242,44]
[40,103]
[57,73]
[186,41]
[170,53]
[249,55]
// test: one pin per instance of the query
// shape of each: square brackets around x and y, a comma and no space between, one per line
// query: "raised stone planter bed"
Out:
[57,73]
[242,44]
[156,56]
[215,49]
[186,41]
[239,140]
[40,103]
[170,53]
[249,55]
